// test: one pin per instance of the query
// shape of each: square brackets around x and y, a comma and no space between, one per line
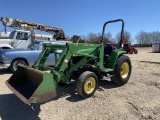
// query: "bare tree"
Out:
[85,38]
[141,37]
[155,37]
[94,38]
[108,38]
[144,38]
[126,36]
[77,39]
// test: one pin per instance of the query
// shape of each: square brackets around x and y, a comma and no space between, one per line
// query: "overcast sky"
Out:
[78,17]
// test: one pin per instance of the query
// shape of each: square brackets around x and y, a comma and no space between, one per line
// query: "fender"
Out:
[114,56]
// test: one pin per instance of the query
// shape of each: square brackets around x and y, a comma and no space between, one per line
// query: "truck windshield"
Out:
[11,36]
[34,46]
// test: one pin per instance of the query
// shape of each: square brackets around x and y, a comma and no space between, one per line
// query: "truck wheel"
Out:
[122,70]
[17,62]
[87,84]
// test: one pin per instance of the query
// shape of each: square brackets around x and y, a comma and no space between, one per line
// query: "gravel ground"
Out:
[137,100]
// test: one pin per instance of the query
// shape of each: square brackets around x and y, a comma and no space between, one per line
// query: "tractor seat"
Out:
[108,50]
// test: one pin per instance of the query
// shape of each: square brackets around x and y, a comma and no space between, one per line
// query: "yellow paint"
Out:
[90,85]
[124,70]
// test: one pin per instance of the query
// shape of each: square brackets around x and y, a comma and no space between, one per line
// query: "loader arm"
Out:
[69,50]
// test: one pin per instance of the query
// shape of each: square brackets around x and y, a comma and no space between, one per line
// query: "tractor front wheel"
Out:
[87,84]
[122,70]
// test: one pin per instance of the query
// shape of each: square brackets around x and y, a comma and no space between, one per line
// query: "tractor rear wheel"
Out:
[122,70]
[87,84]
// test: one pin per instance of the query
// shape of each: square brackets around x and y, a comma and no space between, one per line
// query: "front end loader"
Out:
[84,62]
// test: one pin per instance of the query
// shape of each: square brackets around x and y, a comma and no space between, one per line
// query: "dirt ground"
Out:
[137,100]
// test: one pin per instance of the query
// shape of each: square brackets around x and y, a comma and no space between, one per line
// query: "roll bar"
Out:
[122,30]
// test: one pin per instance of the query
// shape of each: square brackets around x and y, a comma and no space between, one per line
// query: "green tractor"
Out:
[84,62]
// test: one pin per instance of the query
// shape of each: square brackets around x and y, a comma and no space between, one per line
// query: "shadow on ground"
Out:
[153,52]
[150,62]
[5,71]
[11,107]
[70,92]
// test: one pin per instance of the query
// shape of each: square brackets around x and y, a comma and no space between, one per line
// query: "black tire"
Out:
[122,70]
[87,84]
[17,62]
[135,51]
[62,84]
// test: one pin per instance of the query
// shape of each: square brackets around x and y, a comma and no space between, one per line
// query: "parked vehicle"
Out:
[129,49]
[21,39]
[5,41]
[26,36]
[5,46]
[12,57]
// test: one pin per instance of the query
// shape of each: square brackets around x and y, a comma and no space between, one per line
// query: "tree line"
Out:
[141,38]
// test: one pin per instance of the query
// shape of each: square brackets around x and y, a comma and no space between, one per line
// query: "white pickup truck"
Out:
[5,41]
[20,39]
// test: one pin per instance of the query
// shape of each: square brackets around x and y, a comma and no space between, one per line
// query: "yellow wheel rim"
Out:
[124,70]
[90,85]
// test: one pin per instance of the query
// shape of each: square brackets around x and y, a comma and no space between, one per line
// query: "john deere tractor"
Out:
[86,63]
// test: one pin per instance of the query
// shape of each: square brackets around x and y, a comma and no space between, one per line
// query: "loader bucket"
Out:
[31,85]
